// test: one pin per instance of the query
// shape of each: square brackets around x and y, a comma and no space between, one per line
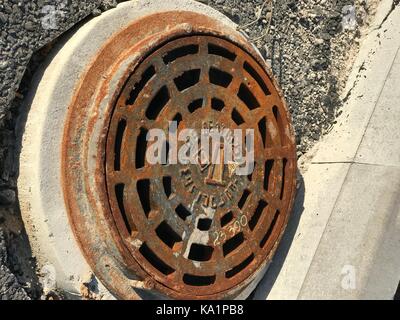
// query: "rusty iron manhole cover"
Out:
[188,225]
[184,231]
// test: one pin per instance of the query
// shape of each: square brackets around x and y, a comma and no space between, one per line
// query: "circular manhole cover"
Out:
[175,228]
[198,224]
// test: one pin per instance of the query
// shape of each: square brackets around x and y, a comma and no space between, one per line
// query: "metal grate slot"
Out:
[279,122]
[232,244]
[198,281]
[143,189]
[118,143]
[182,212]
[119,193]
[220,51]
[237,117]
[283,189]
[257,214]
[141,147]
[243,199]
[262,128]
[154,260]
[217,104]
[196,104]
[237,269]
[270,229]
[220,78]
[269,164]
[180,53]
[256,77]
[138,87]
[167,184]
[168,235]
[187,79]
[158,103]
[248,97]
[204,224]
[228,217]
[199,252]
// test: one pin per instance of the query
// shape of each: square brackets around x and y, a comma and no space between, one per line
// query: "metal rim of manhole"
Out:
[183,231]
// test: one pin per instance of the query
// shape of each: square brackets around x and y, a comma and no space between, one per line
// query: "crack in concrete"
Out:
[395,3]
[355,162]
[356,81]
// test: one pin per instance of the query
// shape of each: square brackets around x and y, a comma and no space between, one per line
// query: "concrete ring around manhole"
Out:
[91,199]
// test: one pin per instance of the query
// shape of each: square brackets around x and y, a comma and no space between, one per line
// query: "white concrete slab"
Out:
[362,236]
[380,144]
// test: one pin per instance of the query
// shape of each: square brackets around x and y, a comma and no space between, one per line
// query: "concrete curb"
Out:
[346,222]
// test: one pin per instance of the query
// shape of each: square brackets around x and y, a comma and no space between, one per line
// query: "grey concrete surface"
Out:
[346,242]
[380,144]
[363,232]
